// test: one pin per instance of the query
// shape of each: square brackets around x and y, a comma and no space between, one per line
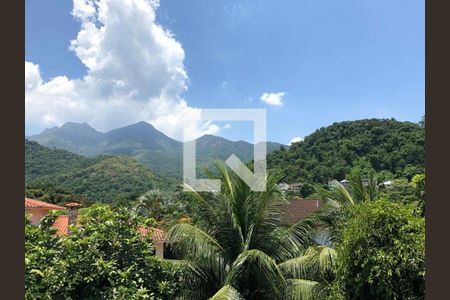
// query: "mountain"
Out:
[391,148]
[74,137]
[146,144]
[101,178]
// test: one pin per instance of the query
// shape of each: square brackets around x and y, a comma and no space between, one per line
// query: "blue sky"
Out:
[330,60]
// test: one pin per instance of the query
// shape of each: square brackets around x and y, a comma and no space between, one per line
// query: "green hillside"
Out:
[103,179]
[143,142]
[392,148]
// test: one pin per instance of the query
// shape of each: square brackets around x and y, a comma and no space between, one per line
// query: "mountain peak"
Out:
[74,125]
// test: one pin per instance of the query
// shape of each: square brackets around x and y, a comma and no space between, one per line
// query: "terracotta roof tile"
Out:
[300,208]
[33,203]
[61,224]
[158,234]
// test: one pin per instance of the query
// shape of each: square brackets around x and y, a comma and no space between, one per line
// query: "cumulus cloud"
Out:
[273,98]
[295,140]
[135,72]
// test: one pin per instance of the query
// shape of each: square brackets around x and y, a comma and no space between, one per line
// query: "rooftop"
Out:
[33,203]
[300,208]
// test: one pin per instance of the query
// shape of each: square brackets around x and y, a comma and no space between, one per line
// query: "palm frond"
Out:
[227,293]
[315,264]
[289,242]
[198,246]
[300,289]
[263,266]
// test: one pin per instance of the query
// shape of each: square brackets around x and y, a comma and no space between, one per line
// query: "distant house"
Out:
[300,208]
[39,209]
[159,240]
[345,182]
[295,187]
[283,186]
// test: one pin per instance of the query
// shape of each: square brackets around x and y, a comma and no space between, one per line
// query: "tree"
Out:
[238,247]
[104,257]
[400,190]
[382,252]
[418,182]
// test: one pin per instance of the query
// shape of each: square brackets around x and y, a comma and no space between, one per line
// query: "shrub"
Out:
[103,258]
[382,252]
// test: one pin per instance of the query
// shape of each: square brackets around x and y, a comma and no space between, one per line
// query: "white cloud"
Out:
[226,126]
[295,140]
[135,72]
[273,98]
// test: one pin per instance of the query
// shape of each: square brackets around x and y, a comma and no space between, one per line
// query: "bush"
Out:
[382,252]
[103,258]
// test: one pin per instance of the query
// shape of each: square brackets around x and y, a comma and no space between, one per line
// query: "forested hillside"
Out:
[58,174]
[143,142]
[389,147]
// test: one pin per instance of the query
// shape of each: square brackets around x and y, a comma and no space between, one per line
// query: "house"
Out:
[345,182]
[295,187]
[283,186]
[39,209]
[300,208]
[159,240]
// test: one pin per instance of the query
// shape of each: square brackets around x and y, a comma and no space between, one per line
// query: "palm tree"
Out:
[239,248]
[357,191]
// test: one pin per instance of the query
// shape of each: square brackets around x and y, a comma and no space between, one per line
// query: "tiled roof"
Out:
[61,224]
[300,208]
[33,203]
[158,234]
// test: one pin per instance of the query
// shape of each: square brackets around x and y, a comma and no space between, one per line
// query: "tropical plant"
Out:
[239,248]
[382,253]
[104,257]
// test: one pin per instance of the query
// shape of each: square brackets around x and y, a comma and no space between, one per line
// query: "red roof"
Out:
[33,203]
[158,234]
[300,208]
[61,224]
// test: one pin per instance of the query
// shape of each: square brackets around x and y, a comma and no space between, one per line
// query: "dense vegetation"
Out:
[366,243]
[391,148]
[56,175]
[238,247]
[104,257]
[382,253]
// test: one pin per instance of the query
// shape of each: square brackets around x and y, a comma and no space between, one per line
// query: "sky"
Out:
[111,63]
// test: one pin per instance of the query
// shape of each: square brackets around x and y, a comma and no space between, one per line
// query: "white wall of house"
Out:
[159,249]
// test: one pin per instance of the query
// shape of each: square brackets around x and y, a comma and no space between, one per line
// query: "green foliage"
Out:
[59,176]
[365,145]
[418,182]
[237,241]
[105,257]
[382,253]
[400,190]
[167,208]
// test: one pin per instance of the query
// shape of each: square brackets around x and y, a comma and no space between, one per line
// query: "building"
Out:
[295,187]
[283,186]
[39,209]
[300,208]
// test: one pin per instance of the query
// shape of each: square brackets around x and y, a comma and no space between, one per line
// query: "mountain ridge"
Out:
[143,142]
